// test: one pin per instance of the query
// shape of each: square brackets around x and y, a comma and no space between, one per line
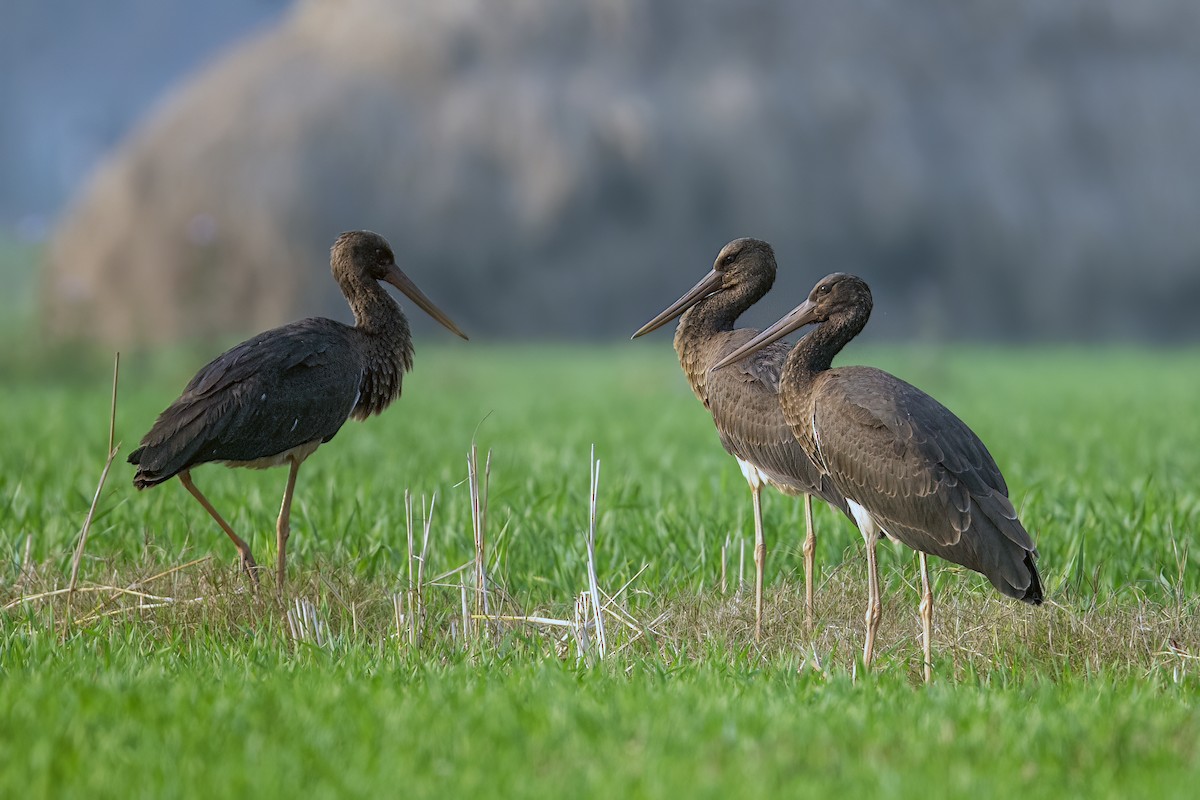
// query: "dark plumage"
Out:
[275,398]
[904,462]
[744,399]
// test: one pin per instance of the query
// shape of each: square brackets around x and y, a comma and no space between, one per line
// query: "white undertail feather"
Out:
[864,519]
[754,476]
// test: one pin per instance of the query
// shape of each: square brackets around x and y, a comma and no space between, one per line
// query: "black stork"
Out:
[906,465]
[274,399]
[744,402]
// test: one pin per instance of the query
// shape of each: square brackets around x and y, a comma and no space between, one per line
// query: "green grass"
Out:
[1085,696]
[360,724]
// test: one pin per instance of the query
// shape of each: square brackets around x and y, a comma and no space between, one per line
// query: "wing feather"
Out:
[284,388]
[920,471]
[744,401]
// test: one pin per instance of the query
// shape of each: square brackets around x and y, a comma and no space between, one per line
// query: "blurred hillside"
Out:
[1013,169]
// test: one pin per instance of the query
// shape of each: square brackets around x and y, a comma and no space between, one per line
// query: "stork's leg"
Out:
[810,548]
[283,528]
[926,616]
[755,479]
[760,558]
[874,604]
[251,569]
[870,534]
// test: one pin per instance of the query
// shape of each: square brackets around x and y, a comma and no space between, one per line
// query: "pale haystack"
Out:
[551,167]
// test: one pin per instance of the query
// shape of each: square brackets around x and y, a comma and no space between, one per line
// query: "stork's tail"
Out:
[1033,594]
[144,478]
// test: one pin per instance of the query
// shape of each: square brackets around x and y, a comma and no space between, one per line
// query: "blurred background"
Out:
[1013,170]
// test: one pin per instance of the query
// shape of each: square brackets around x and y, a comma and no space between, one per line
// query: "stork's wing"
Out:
[920,471]
[286,387]
[744,402]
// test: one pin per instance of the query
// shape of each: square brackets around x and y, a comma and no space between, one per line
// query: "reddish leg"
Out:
[810,565]
[926,617]
[243,549]
[283,528]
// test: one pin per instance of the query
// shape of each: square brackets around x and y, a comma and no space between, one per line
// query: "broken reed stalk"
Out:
[583,642]
[306,625]
[112,454]
[724,557]
[741,563]
[410,595]
[420,624]
[466,615]
[593,586]
[479,525]
[414,597]
[398,608]
[95,612]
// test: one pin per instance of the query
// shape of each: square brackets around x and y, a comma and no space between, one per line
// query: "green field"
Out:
[186,684]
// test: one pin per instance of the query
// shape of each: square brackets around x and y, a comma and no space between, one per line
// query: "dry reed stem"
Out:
[466,615]
[409,594]
[724,556]
[112,454]
[593,603]
[478,524]
[142,582]
[450,573]
[533,620]
[601,639]
[78,590]
[167,601]
[415,595]
[421,566]
[741,562]
[610,603]
[397,608]
[306,625]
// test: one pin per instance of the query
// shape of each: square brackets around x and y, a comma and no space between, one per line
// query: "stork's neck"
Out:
[698,340]
[385,341]
[715,314]
[815,352]
[373,308]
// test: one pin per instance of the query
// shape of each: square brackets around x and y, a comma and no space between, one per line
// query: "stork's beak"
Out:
[707,285]
[798,317]
[402,282]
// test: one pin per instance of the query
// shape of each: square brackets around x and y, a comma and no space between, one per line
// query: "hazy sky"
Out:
[76,76]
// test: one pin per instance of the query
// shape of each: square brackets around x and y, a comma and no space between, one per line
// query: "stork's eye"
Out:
[824,288]
[729,259]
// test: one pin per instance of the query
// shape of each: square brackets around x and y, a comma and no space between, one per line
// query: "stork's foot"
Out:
[249,566]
